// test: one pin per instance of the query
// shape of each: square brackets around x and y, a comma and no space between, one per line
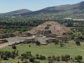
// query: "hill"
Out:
[50,28]
[16,12]
[63,10]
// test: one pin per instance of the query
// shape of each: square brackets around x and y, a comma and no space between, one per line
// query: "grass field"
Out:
[48,50]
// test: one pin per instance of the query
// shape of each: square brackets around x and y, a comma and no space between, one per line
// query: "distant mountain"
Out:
[61,11]
[74,10]
[16,12]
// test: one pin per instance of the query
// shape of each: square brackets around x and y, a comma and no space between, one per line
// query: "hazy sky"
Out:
[10,5]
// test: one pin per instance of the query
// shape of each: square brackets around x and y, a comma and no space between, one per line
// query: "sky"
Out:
[11,5]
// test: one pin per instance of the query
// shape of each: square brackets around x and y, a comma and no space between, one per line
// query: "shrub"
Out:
[32,60]
[58,58]
[53,57]
[42,57]
[49,58]
[65,58]
[36,61]
[37,43]
[5,58]
[78,43]
[78,58]
[61,44]
[13,47]
[37,56]
[50,61]
[56,41]
[25,61]
[29,45]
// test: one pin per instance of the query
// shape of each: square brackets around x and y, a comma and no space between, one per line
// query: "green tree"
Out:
[78,42]
[38,43]
[78,58]
[14,47]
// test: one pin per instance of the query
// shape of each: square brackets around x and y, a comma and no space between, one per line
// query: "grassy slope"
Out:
[49,50]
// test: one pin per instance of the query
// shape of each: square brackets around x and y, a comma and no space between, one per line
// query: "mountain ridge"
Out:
[62,10]
[16,12]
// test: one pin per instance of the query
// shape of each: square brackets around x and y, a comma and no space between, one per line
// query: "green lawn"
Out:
[49,50]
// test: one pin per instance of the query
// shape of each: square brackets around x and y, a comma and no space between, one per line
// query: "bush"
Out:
[42,57]
[61,44]
[27,55]
[36,61]
[78,58]
[53,57]
[49,58]
[29,45]
[58,58]
[32,60]
[78,43]
[56,41]
[65,58]
[37,43]
[50,61]
[37,56]
[13,47]
[25,61]
[5,58]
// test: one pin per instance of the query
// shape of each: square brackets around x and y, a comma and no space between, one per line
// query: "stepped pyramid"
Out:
[50,28]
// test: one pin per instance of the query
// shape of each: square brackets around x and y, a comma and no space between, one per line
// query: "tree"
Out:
[36,61]
[50,61]
[78,42]
[29,45]
[54,58]
[37,43]
[42,57]
[61,44]
[67,57]
[27,55]
[14,47]
[49,58]
[14,54]
[5,58]
[63,58]
[25,61]
[78,36]
[18,62]
[56,41]
[78,58]
[32,60]
[65,39]
[58,58]
[37,56]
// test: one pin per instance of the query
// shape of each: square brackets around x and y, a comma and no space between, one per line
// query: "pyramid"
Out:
[50,28]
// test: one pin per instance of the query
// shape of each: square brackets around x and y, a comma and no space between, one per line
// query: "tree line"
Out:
[11,24]
[27,57]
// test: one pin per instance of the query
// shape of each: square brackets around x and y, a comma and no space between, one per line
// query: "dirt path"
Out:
[12,41]
[5,45]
